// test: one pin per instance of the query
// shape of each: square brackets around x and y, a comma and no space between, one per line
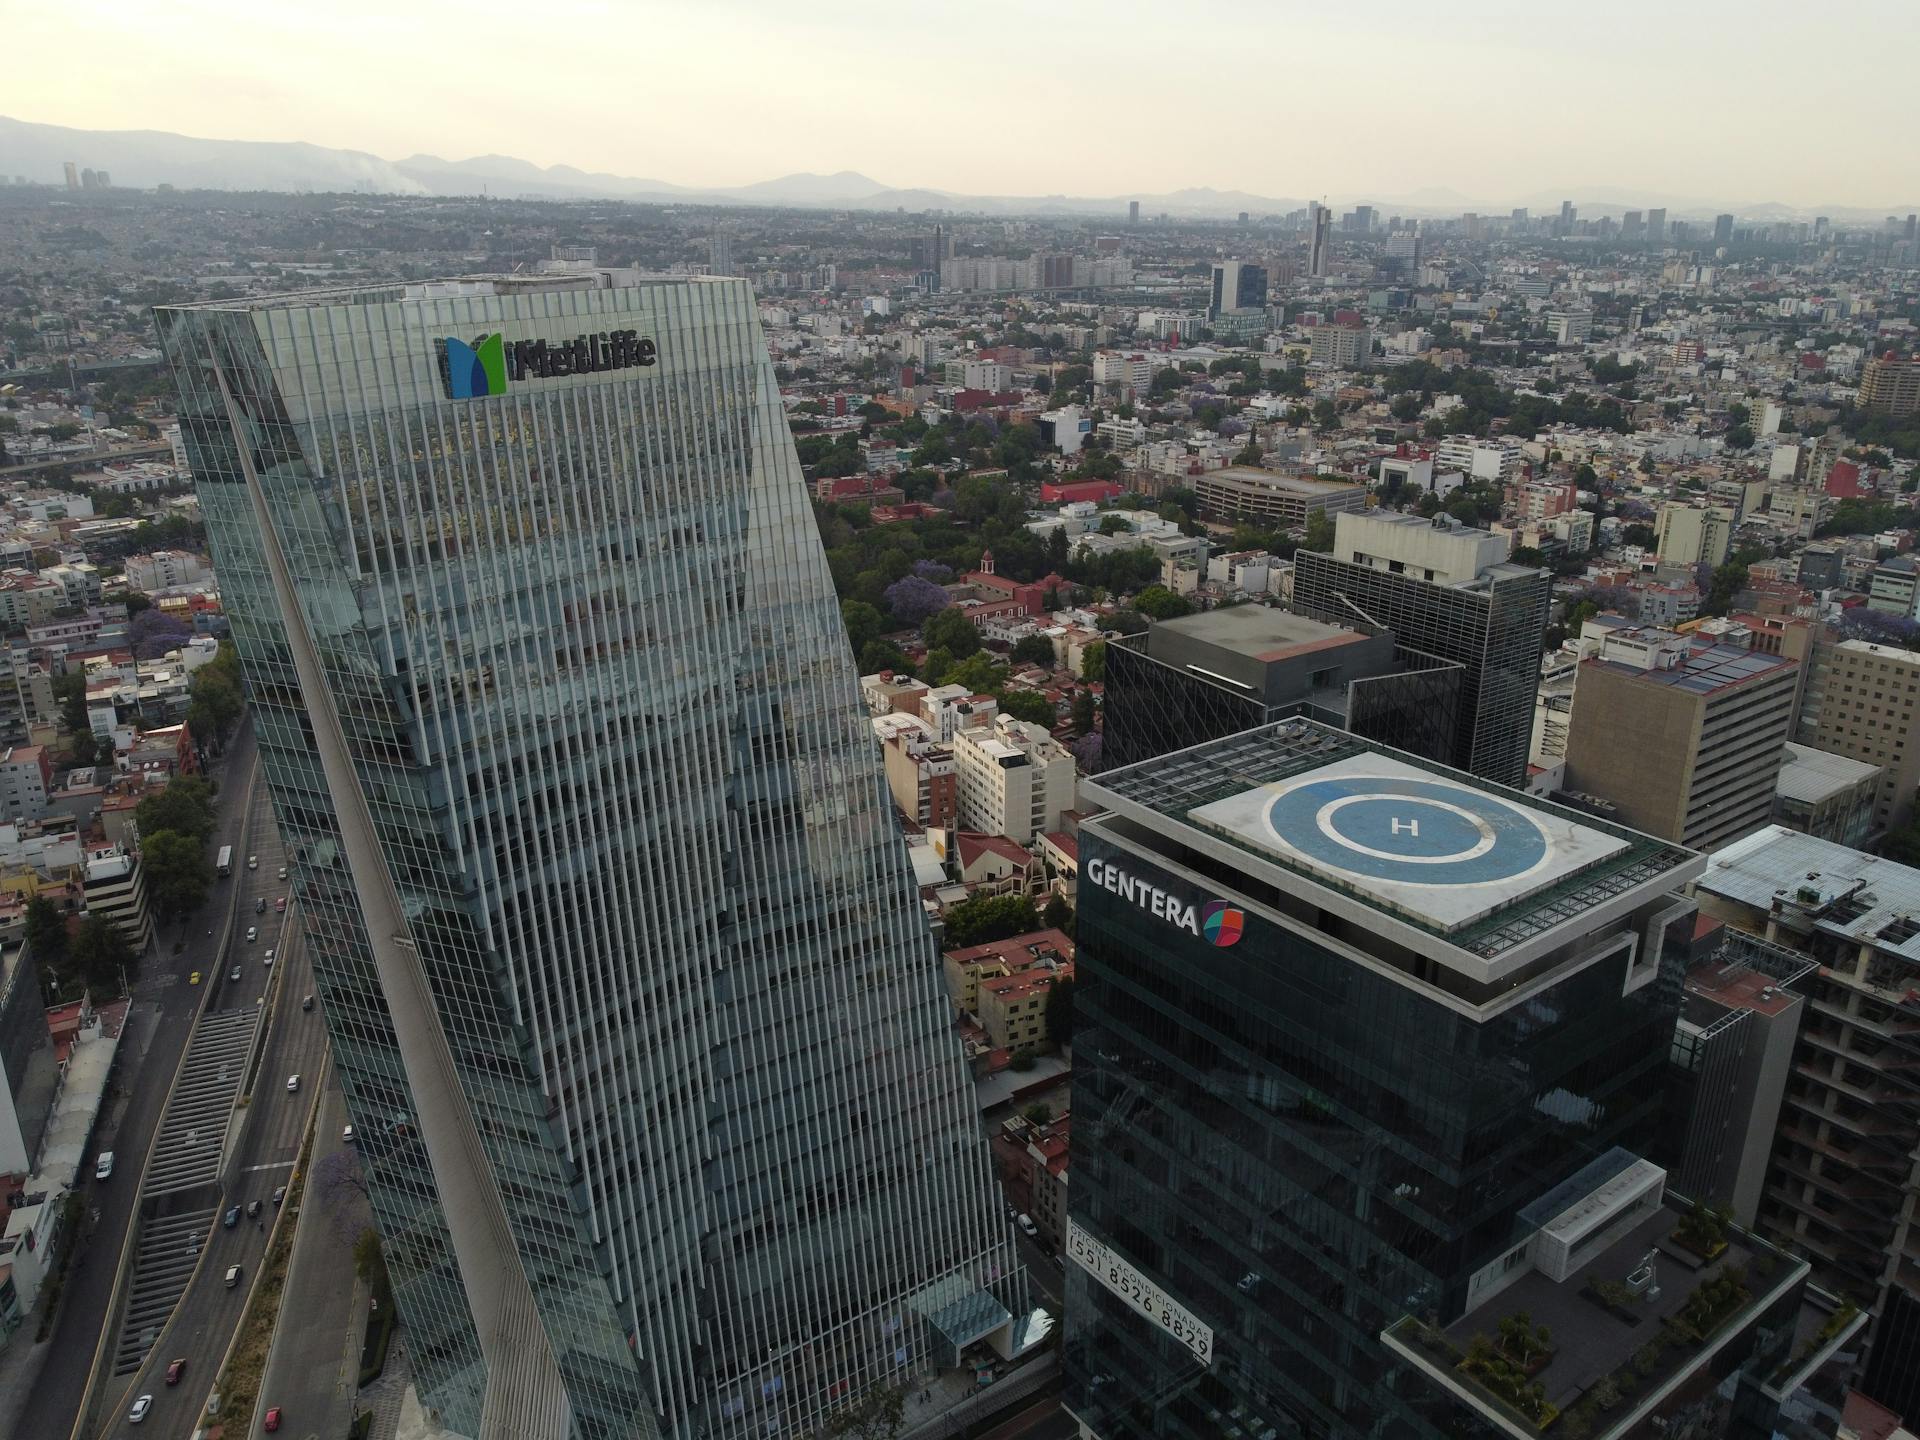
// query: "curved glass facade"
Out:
[551,541]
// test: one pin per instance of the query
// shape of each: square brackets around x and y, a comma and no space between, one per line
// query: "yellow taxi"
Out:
[194,978]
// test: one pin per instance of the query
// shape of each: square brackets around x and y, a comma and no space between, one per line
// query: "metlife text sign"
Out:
[472,370]
[1140,1293]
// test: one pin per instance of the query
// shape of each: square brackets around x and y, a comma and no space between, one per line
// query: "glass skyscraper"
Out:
[628,984]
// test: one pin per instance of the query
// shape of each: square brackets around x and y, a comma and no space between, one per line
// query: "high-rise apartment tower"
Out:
[626,977]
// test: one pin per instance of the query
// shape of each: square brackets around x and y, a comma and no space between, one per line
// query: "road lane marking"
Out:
[270,1165]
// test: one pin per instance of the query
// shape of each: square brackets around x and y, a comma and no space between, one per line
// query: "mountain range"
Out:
[141,159]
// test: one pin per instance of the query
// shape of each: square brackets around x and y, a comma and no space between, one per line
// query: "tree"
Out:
[1161,603]
[178,875]
[880,1414]
[878,655]
[934,669]
[215,695]
[1325,417]
[1060,1013]
[951,630]
[155,632]
[863,623]
[987,917]
[1033,650]
[1093,663]
[1057,915]
[1083,712]
[1527,555]
[1319,533]
[70,690]
[979,672]
[913,599]
[46,934]
[1029,705]
[101,956]
[1740,437]
[184,806]
[1641,535]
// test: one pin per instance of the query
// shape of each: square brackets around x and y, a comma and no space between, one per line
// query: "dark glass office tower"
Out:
[1364,1047]
[1207,676]
[1447,592]
[624,968]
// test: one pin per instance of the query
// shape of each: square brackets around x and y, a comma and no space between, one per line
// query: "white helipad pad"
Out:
[1443,852]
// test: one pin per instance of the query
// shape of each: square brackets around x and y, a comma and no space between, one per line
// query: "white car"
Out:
[293,1083]
[347,1135]
[103,1167]
[252,933]
[1027,1226]
[268,957]
[140,1409]
[283,872]
[253,862]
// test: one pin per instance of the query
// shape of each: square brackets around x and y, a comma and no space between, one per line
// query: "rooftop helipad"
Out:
[1414,841]
[1481,867]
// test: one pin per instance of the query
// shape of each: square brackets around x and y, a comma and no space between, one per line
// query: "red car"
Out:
[273,1419]
[175,1371]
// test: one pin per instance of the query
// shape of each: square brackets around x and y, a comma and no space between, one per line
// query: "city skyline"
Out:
[1430,130]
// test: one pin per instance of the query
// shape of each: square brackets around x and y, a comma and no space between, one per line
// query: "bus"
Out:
[225,866]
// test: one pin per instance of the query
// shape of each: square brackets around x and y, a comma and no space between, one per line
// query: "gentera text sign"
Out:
[1220,923]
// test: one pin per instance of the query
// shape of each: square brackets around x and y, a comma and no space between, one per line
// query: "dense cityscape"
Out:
[675,816]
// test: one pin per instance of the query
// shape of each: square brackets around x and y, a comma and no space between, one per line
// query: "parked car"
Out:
[140,1409]
[231,1218]
[1027,1227]
[175,1371]
[293,1084]
[233,1276]
[103,1167]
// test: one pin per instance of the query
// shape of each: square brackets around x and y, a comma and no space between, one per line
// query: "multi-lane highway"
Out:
[313,1370]
[179,1304]
[164,1006]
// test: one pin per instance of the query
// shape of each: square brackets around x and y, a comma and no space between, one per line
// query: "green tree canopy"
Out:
[1029,705]
[178,875]
[1161,603]
[1033,650]
[863,623]
[184,806]
[988,917]
[100,955]
[1093,662]
[951,630]
[1060,1013]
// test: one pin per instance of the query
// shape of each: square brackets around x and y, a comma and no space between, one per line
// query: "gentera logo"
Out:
[476,370]
[473,371]
[1218,922]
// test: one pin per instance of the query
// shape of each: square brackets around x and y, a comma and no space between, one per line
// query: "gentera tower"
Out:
[626,976]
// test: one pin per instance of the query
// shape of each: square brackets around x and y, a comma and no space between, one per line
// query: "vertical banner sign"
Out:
[1140,1293]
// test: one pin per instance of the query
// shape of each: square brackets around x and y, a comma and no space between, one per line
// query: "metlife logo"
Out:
[1215,921]
[473,370]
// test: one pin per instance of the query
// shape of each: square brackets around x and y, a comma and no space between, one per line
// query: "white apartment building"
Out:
[1695,534]
[948,709]
[1570,327]
[1341,346]
[1015,779]
[163,568]
[1499,461]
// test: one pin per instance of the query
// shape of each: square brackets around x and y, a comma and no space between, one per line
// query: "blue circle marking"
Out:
[1411,832]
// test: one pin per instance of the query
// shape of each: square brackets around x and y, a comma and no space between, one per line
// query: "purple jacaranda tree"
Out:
[912,599]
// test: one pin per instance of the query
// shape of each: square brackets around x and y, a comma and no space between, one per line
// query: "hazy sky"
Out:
[1500,100]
